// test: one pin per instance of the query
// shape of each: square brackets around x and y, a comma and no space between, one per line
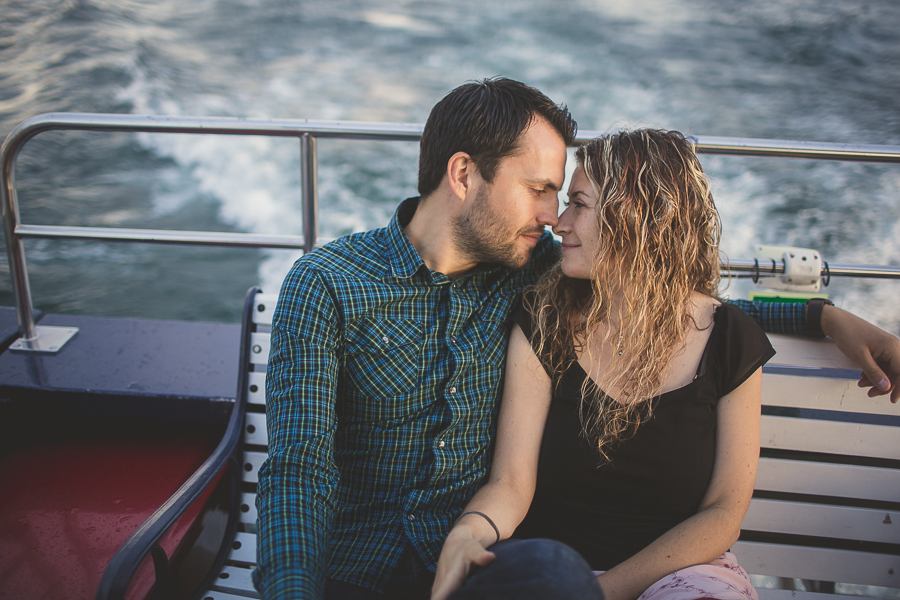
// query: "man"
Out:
[388,348]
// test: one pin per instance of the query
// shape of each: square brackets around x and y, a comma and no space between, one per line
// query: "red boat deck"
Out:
[67,507]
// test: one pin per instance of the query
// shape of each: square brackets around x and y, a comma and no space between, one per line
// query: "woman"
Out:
[630,413]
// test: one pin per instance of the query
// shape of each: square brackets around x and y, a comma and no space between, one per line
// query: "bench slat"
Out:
[832,437]
[820,520]
[248,516]
[264,308]
[805,352]
[256,387]
[828,479]
[255,429]
[820,564]
[214,594]
[822,394]
[252,462]
[259,348]
[769,594]
[236,580]
[243,549]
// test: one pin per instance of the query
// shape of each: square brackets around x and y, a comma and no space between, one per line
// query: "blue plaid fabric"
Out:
[382,384]
[776,317]
[381,395]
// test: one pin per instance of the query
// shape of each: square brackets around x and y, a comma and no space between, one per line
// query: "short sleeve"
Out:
[522,318]
[741,347]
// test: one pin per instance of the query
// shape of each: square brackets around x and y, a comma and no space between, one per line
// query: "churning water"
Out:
[822,70]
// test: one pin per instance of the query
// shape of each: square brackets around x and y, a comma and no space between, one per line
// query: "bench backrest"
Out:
[234,580]
[827,491]
[826,505]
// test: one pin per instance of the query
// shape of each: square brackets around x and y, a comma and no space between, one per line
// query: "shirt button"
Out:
[410,518]
[453,338]
[441,444]
[453,390]
[385,339]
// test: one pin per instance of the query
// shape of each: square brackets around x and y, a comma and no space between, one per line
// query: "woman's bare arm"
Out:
[506,496]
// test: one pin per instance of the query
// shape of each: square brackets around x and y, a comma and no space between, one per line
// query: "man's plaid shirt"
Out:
[381,395]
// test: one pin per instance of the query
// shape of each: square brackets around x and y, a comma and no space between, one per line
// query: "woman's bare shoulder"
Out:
[703,309]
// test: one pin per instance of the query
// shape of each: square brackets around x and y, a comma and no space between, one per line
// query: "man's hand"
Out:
[461,552]
[873,350]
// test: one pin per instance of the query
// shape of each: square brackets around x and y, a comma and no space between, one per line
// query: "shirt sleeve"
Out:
[743,348]
[775,317]
[295,497]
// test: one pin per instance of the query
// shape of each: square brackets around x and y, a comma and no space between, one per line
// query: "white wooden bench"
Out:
[827,505]
[827,501]
[234,580]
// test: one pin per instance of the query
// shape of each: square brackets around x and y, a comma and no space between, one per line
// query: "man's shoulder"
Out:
[362,254]
[328,277]
[545,255]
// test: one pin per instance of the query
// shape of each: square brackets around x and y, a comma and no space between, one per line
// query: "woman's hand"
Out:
[510,486]
[461,552]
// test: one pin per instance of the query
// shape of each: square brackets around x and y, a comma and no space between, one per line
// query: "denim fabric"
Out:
[536,569]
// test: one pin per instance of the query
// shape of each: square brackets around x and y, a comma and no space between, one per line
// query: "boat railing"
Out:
[307,133]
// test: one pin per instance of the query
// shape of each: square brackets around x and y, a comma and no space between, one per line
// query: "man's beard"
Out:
[486,236]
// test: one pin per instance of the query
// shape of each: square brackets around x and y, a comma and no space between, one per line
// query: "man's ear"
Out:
[460,170]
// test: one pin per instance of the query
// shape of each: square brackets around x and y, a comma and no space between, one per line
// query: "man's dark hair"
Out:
[485,119]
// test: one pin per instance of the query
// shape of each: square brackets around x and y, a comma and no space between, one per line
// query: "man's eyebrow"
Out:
[545,183]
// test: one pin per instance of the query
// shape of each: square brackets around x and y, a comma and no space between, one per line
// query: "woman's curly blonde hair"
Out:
[658,243]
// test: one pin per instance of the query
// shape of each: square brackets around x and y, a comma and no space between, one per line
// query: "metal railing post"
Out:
[15,249]
[309,194]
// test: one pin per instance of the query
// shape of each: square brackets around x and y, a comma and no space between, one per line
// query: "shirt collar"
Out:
[404,259]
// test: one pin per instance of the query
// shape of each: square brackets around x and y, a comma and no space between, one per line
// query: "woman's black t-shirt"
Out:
[655,479]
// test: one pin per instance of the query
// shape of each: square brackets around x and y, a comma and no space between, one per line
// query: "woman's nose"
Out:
[563,223]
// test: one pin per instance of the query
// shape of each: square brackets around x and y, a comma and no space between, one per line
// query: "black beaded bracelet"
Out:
[482,515]
[814,308]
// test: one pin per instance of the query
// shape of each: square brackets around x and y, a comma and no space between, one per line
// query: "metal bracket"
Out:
[800,270]
[47,339]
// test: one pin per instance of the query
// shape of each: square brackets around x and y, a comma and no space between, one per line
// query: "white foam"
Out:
[256,180]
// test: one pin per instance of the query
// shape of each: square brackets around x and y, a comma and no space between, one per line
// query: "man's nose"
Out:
[548,219]
[549,213]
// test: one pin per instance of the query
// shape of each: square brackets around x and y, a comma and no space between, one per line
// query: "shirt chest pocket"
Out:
[383,356]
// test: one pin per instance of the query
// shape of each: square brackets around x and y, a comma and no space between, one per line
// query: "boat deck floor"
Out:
[70,501]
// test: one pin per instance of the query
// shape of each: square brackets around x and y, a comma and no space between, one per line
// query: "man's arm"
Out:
[873,350]
[776,317]
[295,498]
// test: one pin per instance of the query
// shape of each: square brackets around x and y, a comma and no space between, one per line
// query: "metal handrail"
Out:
[228,453]
[307,132]
[751,268]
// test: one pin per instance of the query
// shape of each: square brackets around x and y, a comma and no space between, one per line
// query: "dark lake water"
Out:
[819,70]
